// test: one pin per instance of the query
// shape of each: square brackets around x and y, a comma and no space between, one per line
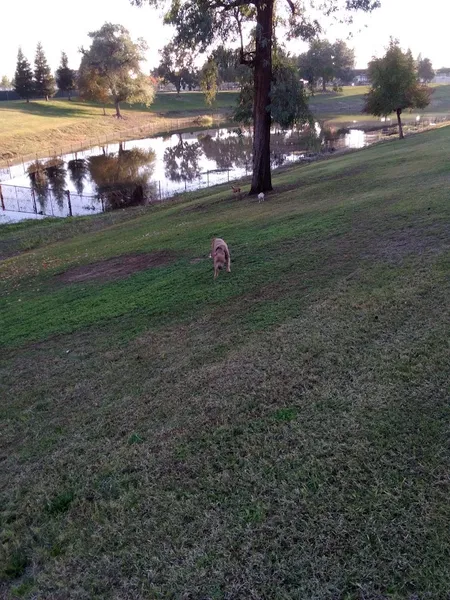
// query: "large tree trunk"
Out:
[118,113]
[324,84]
[262,179]
[400,126]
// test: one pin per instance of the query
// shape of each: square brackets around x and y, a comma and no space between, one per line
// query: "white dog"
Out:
[261,197]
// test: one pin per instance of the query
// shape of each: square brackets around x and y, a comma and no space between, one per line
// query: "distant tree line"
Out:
[40,83]
[324,64]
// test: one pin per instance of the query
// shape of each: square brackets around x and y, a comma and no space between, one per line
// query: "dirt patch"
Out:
[117,267]
[195,261]
[419,240]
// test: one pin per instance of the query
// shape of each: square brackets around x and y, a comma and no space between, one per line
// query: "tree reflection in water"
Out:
[181,162]
[46,177]
[228,152]
[56,174]
[39,182]
[123,179]
[78,170]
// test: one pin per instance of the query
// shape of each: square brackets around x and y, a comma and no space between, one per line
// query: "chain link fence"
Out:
[65,203]
[160,127]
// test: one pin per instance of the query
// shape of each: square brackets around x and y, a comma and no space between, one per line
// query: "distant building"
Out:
[360,77]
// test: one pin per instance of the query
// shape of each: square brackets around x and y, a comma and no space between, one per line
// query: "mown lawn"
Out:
[281,433]
[59,124]
[346,107]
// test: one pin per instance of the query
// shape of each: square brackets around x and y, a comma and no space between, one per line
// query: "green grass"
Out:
[346,107]
[281,433]
[59,125]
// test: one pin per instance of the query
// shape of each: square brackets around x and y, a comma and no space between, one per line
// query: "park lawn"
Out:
[45,128]
[280,433]
[345,107]
[60,125]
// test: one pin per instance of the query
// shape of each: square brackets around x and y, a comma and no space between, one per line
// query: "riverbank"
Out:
[40,129]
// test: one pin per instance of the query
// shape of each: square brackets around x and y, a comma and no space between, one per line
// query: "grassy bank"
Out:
[48,127]
[58,126]
[345,107]
[281,433]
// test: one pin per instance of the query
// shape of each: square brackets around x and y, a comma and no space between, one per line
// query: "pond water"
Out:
[141,171]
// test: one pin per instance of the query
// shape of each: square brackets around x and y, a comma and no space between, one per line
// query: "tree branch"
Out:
[292,7]
[228,5]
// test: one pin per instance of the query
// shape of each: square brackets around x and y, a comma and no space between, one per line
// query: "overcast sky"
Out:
[64,26]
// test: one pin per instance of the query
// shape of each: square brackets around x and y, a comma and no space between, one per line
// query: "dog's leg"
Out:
[228,261]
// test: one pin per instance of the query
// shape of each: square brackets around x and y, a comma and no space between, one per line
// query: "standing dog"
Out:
[220,255]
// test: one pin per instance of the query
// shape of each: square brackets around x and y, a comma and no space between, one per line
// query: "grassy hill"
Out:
[279,433]
[61,126]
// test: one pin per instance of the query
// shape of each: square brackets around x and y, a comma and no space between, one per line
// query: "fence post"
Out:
[159,184]
[69,203]
[34,200]
[1,198]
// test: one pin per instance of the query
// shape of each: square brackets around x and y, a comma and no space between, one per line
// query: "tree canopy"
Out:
[177,67]
[394,85]
[326,62]
[209,75]
[110,68]
[288,102]
[5,83]
[228,64]
[65,77]
[425,69]
[200,23]
[44,82]
[23,77]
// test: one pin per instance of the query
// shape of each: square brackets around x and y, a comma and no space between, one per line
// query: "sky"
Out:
[63,26]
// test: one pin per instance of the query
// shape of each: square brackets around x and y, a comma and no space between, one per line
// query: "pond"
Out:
[153,169]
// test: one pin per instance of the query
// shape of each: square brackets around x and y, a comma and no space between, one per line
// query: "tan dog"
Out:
[220,255]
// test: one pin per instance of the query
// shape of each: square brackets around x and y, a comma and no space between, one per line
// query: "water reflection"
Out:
[39,183]
[182,161]
[228,152]
[119,179]
[140,171]
[56,174]
[78,170]
[123,178]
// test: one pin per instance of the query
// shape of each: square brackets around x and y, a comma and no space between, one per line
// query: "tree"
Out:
[199,23]
[425,69]
[23,77]
[177,67]
[394,85]
[288,103]
[327,62]
[208,80]
[228,64]
[344,61]
[110,69]
[44,82]
[65,77]
[5,83]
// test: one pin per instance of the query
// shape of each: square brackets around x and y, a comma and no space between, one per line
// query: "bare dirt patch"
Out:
[195,261]
[117,267]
